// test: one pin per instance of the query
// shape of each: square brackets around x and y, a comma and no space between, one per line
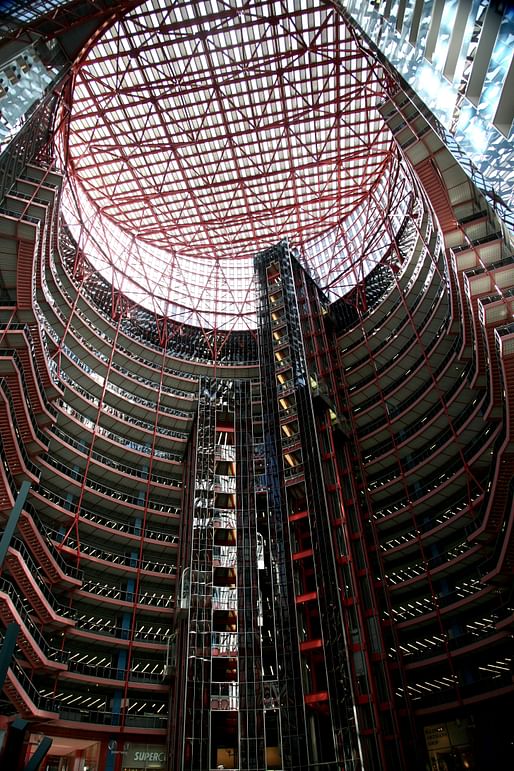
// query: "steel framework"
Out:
[197,134]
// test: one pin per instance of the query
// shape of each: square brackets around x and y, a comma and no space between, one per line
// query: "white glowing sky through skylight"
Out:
[203,132]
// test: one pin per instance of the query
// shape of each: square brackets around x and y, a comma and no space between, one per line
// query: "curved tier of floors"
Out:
[426,402]
[98,422]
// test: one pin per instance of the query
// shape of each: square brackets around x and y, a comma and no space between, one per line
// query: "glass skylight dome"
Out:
[203,132]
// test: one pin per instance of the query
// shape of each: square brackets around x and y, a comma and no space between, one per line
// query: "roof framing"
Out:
[207,130]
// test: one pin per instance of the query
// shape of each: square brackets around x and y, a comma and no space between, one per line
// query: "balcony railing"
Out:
[140,671]
[120,593]
[112,462]
[51,653]
[35,571]
[108,627]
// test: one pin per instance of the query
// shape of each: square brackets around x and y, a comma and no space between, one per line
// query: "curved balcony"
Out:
[30,579]
[115,495]
[119,593]
[115,560]
[416,396]
[467,594]
[97,628]
[444,565]
[110,414]
[433,449]
[430,530]
[401,381]
[148,722]
[393,330]
[130,403]
[141,672]
[49,499]
[191,346]
[414,281]
[388,355]
[31,641]
[486,679]
[431,649]
[125,469]
[26,697]
[444,400]
[130,528]
[129,442]
[125,372]
[438,480]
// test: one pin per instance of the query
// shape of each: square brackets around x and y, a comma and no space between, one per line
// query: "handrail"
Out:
[41,702]
[62,610]
[50,652]
[108,627]
[116,558]
[367,428]
[92,484]
[84,447]
[20,327]
[121,593]
[67,569]
[112,672]
[130,443]
[35,470]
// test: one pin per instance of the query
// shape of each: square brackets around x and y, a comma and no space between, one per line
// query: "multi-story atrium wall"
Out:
[255,404]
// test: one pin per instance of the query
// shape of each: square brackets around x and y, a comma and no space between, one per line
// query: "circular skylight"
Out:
[204,132]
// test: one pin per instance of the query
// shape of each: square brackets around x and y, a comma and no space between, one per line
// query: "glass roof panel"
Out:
[201,133]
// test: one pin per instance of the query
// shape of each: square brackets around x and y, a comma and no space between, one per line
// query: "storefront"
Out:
[144,756]
[449,746]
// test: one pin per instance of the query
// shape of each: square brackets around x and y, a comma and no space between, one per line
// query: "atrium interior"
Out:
[256,351]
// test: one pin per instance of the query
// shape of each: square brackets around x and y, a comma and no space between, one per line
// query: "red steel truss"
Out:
[202,132]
